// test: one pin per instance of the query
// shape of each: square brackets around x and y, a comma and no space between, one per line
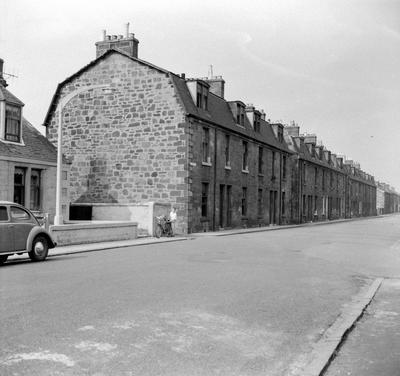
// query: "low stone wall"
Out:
[143,214]
[93,232]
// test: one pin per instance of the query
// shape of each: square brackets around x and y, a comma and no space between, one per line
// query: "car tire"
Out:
[40,248]
[3,259]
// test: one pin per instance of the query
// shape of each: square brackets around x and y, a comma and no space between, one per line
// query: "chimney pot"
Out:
[129,45]
[127,30]
[183,75]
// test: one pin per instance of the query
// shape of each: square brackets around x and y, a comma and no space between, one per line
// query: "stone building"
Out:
[326,186]
[140,133]
[387,199]
[319,179]
[27,158]
[360,191]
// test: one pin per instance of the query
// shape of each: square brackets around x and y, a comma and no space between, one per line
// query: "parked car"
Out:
[21,232]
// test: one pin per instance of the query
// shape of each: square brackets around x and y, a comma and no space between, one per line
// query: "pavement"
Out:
[144,240]
[373,347]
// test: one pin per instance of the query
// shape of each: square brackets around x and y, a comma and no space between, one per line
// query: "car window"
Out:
[3,213]
[19,215]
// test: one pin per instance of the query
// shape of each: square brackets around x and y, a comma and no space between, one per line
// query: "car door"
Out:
[6,232]
[22,223]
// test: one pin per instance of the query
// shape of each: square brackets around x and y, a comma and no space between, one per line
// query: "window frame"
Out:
[227,150]
[8,135]
[260,160]
[205,145]
[245,156]
[36,190]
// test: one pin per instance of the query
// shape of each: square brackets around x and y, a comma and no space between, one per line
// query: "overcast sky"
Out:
[332,66]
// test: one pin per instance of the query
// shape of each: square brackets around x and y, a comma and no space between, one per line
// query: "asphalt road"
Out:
[250,304]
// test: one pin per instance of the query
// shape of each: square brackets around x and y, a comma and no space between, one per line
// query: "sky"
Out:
[331,66]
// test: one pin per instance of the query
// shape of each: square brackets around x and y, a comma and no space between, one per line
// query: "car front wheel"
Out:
[40,248]
[3,259]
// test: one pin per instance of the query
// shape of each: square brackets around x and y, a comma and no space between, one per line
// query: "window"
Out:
[315,204]
[240,114]
[3,213]
[257,120]
[315,176]
[331,179]
[280,134]
[206,145]
[283,203]
[304,173]
[260,203]
[244,201]
[204,199]
[19,186]
[18,214]
[202,96]
[35,190]
[245,156]
[323,179]
[284,167]
[13,123]
[260,160]
[227,150]
[273,165]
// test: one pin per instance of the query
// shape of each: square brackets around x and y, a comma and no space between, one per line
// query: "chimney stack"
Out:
[2,80]
[127,44]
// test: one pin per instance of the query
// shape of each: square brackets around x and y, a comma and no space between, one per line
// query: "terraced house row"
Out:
[155,136]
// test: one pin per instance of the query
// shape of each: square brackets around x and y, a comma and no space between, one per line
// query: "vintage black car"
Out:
[21,232]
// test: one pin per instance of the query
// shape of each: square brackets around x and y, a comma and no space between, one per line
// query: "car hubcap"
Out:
[39,248]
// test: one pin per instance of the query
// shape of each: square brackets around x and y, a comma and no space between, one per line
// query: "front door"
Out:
[229,205]
[6,233]
[221,205]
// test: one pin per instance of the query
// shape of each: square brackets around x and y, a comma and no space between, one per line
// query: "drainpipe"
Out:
[215,177]
[280,190]
[300,171]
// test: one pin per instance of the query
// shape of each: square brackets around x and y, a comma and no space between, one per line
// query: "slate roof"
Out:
[218,112]
[5,95]
[304,153]
[36,146]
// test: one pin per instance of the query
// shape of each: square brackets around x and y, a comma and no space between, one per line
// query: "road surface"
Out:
[249,304]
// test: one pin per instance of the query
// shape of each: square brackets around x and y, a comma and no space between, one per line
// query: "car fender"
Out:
[38,230]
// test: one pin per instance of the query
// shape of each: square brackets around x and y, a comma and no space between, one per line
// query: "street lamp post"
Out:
[58,218]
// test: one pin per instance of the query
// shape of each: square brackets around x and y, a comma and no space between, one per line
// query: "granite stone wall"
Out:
[220,178]
[126,144]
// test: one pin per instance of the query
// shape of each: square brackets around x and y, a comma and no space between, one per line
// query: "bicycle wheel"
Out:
[158,231]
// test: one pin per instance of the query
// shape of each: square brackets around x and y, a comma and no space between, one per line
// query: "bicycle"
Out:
[163,226]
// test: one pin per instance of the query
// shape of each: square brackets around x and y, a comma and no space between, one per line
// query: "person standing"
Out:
[172,218]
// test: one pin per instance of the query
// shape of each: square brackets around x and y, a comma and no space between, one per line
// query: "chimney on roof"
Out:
[292,130]
[217,83]
[127,44]
[3,82]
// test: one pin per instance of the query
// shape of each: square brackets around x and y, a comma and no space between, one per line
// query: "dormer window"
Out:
[240,114]
[202,96]
[12,123]
[280,134]
[257,122]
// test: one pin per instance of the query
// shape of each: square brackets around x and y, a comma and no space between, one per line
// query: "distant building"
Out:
[27,158]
